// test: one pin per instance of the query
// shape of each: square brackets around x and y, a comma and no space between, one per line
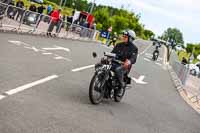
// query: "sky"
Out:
[159,15]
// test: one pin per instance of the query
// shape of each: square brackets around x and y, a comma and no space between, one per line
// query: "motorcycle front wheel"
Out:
[96,89]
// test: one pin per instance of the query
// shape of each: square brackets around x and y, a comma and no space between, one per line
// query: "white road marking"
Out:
[147,59]
[18,43]
[47,53]
[61,58]
[58,57]
[145,50]
[32,48]
[57,48]
[27,86]
[82,68]
[2,97]
[158,64]
[139,80]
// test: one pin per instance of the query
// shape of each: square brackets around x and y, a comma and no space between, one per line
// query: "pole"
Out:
[91,9]
[65,3]
[61,1]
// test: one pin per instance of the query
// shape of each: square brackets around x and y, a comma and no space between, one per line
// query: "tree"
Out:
[148,34]
[175,34]
[102,17]
[189,48]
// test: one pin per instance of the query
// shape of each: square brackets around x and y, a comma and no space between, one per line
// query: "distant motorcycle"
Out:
[155,55]
[104,83]
[156,52]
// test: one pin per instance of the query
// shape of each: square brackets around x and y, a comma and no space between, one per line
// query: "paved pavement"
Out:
[39,93]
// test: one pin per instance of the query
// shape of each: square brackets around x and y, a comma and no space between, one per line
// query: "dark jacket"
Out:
[20,4]
[126,51]
[41,9]
[33,8]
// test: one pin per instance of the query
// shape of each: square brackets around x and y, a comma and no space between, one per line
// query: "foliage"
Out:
[175,34]
[193,48]
[120,19]
[148,33]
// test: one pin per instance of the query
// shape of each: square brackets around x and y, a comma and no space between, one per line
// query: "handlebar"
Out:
[112,58]
[118,61]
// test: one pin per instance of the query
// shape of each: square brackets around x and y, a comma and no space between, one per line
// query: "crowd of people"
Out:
[18,11]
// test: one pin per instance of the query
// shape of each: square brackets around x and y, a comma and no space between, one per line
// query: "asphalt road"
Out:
[54,99]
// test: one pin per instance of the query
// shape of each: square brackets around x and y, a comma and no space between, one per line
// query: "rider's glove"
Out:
[127,64]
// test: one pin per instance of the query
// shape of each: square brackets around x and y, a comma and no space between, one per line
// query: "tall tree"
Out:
[175,34]
[148,34]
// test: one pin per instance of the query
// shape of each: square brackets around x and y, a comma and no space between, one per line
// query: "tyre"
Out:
[96,89]
[118,97]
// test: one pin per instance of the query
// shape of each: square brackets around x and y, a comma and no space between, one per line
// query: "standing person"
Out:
[184,61]
[20,5]
[55,17]
[40,10]
[11,10]
[113,39]
[49,9]
[32,7]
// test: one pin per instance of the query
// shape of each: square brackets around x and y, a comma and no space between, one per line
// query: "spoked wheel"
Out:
[96,89]
[118,96]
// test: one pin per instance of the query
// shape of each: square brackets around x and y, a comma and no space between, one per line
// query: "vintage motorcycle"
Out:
[104,83]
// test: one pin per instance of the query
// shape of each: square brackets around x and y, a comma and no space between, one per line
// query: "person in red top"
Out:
[55,18]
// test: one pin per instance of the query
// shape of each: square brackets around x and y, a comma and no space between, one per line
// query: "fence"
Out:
[190,83]
[182,71]
[14,18]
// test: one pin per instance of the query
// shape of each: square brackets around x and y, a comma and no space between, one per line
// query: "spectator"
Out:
[20,5]
[11,10]
[113,39]
[32,7]
[40,9]
[184,61]
[49,10]
[55,18]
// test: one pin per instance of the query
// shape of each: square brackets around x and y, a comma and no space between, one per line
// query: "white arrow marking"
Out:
[2,97]
[139,80]
[61,58]
[57,48]
[147,59]
[18,43]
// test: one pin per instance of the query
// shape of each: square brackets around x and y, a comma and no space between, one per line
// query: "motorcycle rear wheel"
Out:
[118,97]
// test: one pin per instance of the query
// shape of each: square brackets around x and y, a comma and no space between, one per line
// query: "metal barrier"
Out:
[14,18]
[3,8]
[181,70]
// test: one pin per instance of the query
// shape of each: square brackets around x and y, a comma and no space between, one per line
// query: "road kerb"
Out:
[183,91]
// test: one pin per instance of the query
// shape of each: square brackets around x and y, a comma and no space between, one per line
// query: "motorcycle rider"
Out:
[157,45]
[126,52]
